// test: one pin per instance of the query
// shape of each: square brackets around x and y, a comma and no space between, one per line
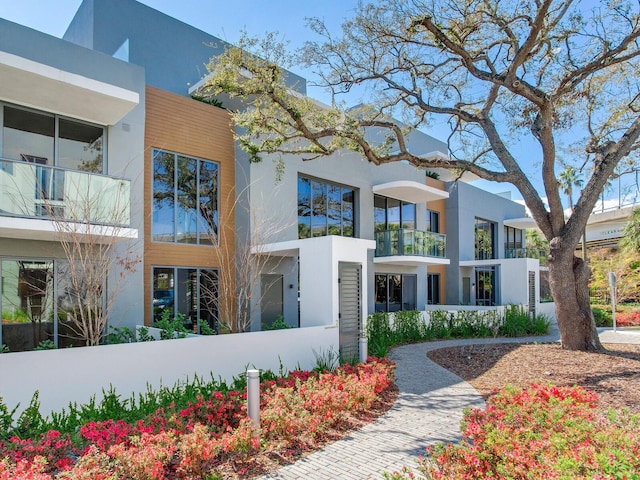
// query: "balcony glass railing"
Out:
[407,241]
[539,253]
[41,191]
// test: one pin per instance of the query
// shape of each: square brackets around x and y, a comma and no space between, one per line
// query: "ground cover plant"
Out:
[383,332]
[208,438]
[541,432]
[627,315]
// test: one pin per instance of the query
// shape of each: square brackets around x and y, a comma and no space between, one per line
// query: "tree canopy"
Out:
[558,76]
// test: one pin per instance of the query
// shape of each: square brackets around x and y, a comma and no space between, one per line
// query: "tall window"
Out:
[433,288]
[486,286]
[393,214]
[433,221]
[48,139]
[484,239]
[185,199]
[325,208]
[191,293]
[395,292]
[513,238]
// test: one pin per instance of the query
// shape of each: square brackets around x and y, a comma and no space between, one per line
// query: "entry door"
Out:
[466,290]
[271,304]
[350,309]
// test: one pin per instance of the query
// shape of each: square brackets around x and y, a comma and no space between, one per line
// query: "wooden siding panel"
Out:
[183,125]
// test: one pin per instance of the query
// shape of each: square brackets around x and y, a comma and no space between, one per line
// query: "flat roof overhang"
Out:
[523,222]
[410,191]
[410,260]
[41,86]
[47,230]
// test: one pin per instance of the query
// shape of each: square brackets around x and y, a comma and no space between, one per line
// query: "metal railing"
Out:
[405,241]
[33,190]
[539,253]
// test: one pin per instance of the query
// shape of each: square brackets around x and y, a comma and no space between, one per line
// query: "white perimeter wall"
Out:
[75,374]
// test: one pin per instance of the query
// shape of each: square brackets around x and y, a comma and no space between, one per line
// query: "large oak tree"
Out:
[525,86]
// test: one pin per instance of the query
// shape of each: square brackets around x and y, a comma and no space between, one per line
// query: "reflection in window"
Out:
[29,135]
[395,292]
[324,208]
[80,146]
[484,239]
[26,303]
[486,286]
[513,238]
[185,199]
[393,214]
[188,293]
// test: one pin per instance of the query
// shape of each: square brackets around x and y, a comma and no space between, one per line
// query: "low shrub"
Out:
[518,322]
[542,431]
[602,317]
[194,441]
[628,319]
[409,327]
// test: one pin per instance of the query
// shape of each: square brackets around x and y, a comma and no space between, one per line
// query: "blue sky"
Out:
[224,19]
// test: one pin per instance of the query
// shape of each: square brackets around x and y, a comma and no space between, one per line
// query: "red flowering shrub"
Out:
[543,432]
[55,450]
[628,319]
[24,470]
[190,443]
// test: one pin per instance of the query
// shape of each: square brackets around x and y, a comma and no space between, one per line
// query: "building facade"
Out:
[71,144]
[108,112]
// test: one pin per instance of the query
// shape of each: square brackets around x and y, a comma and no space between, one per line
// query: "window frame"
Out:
[380,227]
[431,216]
[485,225]
[387,279]
[176,293]
[201,236]
[328,187]
[56,136]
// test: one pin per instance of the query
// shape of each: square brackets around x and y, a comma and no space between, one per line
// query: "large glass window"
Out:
[190,293]
[185,199]
[42,302]
[513,238]
[484,239]
[48,139]
[395,292]
[27,303]
[393,214]
[325,208]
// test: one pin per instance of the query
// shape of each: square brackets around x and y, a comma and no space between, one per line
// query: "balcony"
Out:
[410,247]
[37,201]
[538,253]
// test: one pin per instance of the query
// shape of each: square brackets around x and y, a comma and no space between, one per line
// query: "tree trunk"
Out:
[569,282]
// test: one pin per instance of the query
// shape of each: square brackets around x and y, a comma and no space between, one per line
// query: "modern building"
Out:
[491,264]
[71,142]
[108,112]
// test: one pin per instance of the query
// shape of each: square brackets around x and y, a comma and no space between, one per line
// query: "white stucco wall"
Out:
[75,374]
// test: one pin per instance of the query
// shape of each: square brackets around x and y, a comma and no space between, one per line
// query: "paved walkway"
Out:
[428,410]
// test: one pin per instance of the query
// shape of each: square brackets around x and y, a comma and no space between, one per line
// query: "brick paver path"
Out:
[428,410]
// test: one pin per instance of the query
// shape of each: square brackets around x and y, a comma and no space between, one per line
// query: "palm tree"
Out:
[569,178]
